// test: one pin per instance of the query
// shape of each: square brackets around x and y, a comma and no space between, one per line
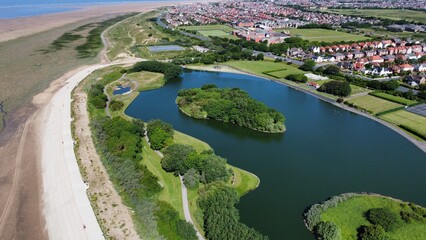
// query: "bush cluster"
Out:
[97,98]
[160,134]
[170,70]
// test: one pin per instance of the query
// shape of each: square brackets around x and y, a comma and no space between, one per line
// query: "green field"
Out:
[394,14]
[348,216]
[260,67]
[324,35]
[388,34]
[393,98]
[373,104]
[405,118]
[216,30]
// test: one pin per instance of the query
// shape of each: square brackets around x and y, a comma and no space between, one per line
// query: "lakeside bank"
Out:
[228,69]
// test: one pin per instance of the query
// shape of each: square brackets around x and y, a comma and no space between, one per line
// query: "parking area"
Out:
[419,109]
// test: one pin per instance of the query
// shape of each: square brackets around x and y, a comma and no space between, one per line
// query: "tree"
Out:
[332,70]
[308,65]
[327,231]
[175,156]
[191,178]
[338,88]
[260,57]
[383,217]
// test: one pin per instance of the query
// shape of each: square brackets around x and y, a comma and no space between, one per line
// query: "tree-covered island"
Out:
[230,105]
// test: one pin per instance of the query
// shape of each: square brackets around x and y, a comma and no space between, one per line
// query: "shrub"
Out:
[383,217]
[327,231]
[297,78]
[116,105]
[191,179]
[332,70]
[169,70]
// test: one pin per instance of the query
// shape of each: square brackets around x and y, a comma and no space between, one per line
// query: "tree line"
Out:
[170,70]
[230,105]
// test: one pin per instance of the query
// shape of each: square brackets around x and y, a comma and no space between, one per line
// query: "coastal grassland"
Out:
[27,70]
[349,216]
[324,35]
[134,35]
[388,34]
[393,14]
[267,66]
[216,30]
[392,98]
[410,122]
[373,104]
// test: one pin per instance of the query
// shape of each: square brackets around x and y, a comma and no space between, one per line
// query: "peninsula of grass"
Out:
[230,106]
[266,68]
[366,216]
[153,193]
[216,30]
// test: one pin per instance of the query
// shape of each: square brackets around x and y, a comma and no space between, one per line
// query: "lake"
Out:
[325,151]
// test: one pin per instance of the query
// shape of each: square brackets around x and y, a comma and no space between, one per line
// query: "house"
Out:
[315,49]
[329,59]
[380,71]
[314,84]
[376,59]
[396,69]
[389,58]
[415,80]
[339,57]
[369,53]
[358,54]
[318,59]
[345,65]
[406,67]
[391,51]
[349,55]
[294,51]
[387,43]
[382,52]
[420,67]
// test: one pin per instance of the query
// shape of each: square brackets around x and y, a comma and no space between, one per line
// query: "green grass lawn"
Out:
[386,33]
[171,192]
[348,215]
[394,14]
[258,67]
[324,35]
[393,98]
[216,30]
[357,89]
[373,104]
[406,118]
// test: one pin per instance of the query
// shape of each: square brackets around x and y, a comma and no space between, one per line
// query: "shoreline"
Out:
[13,28]
[420,145]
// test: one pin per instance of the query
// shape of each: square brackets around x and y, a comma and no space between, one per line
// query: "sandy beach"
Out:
[19,27]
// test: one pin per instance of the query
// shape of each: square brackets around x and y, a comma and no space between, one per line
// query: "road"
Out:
[186,211]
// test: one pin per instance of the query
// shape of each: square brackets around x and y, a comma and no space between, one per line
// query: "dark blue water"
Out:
[325,151]
[121,90]
[27,8]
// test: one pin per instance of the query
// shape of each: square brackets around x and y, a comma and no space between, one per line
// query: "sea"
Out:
[27,8]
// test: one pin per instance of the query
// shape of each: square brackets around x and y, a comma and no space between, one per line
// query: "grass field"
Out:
[394,14]
[393,98]
[373,104]
[348,215]
[386,33]
[406,118]
[171,192]
[216,30]
[324,35]
[259,67]
[134,35]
